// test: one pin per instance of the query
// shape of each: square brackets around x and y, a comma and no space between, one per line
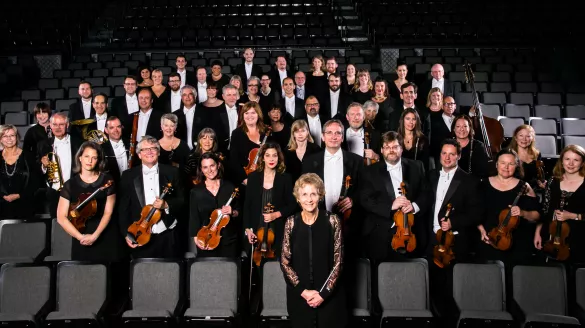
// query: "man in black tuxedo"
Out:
[360,140]
[65,146]
[248,69]
[187,77]
[128,103]
[314,121]
[143,185]
[100,107]
[191,119]
[201,84]
[408,95]
[438,80]
[331,66]
[148,118]
[441,126]
[335,105]
[380,198]
[115,149]
[292,105]
[82,109]
[224,120]
[278,73]
[451,185]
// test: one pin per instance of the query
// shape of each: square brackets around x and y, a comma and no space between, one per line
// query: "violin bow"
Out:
[328,278]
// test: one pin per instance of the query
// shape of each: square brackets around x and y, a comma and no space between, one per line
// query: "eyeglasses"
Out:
[395,148]
[129,84]
[335,133]
[450,104]
[253,85]
[148,150]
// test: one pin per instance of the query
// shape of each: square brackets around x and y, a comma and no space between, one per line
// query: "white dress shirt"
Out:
[248,68]
[183,75]
[142,124]
[395,172]
[355,141]
[120,154]
[63,149]
[289,103]
[202,91]
[448,120]
[334,96]
[232,113]
[151,191]
[445,179]
[132,104]
[438,84]
[101,121]
[86,107]
[282,75]
[333,176]
[189,115]
[315,128]
[175,100]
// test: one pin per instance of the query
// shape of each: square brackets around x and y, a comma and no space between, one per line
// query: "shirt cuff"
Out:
[167,211]
[416,208]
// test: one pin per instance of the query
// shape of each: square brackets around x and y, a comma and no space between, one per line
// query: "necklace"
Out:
[10,174]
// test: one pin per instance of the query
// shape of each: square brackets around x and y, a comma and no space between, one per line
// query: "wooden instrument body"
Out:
[540,175]
[443,252]
[403,240]
[501,236]
[265,240]
[252,161]
[368,161]
[78,217]
[347,214]
[139,232]
[133,136]
[210,234]
[556,247]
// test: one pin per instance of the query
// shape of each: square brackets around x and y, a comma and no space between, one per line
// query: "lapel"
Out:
[405,176]
[139,186]
[225,122]
[73,146]
[386,181]
[319,164]
[452,188]
[276,185]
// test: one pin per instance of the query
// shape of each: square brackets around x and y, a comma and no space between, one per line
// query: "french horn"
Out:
[96,136]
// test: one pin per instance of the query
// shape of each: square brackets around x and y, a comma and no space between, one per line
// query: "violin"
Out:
[346,186]
[140,231]
[403,240]
[556,247]
[254,154]
[265,240]
[443,251]
[85,207]
[368,161]
[501,236]
[209,236]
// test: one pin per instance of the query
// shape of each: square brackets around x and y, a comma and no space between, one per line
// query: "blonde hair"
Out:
[7,127]
[309,179]
[297,125]
[559,170]
[433,90]
[362,72]
[323,62]
[532,151]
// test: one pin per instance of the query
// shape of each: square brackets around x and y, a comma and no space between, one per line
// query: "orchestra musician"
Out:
[206,142]
[142,185]
[99,241]
[356,135]
[40,131]
[474,158]
[115,149]
[312,260]
[174,151]
[524,144]
[213,193]
[300,146]
[501,190]
[416,144]
[269,184]
[568,175]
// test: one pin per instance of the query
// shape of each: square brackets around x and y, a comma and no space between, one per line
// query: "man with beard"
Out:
[175,96]
[336,103]
[82,109]
[331,66]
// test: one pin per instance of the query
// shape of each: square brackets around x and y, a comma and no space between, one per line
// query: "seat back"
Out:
[540,289]
[522,98]
[213,284]
[24,289]
[492,110]
[362,287]
[573,127]
[403,285]
[573,140]
[548,111]
[575,111]
[580,283]
[20,239]
[81,288]
[273,287]
[549,98]
[494,98]
[512,110]
[546,144]
[155,285]
[478,287]
[575,98]
[544,126]
[510,124]
[60,243]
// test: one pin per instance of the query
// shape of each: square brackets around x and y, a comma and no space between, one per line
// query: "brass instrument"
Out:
[96,136]
[54,172]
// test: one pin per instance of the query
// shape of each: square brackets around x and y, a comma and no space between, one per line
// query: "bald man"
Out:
[438,80]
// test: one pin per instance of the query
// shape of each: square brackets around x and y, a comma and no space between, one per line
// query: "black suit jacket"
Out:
[190,77]
[448,88]
[241,72]
[152,129]
[168,107]
[377,193]
[200,121]
[131,196]
[46,146]
[466,203]
[375,140]
[275,82]
[119,108]
[439,132]
[342,104]
[299,110]
[111,162]
[76,113]
[221,125]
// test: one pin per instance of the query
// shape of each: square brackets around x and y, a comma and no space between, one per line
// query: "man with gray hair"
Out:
[143,185]
[191,121]
[225,117]
[371,109]
[438,80]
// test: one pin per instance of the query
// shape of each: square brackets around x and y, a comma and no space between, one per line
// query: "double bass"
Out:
[254,154]
[443,251]
[265,239]
[403,240]
[140,231]
[491,130]
[85,207]
[209,236]
[501,236]
[556,247]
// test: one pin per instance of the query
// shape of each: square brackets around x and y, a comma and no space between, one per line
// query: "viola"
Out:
[140,231]
[254,154]
[443,251]
[85,207]
[265,239]
[346,186]
[501,236]
[404,239]
[556,247]
[209,236]
[368,161]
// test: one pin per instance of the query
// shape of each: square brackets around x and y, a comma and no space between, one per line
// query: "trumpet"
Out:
[54,172]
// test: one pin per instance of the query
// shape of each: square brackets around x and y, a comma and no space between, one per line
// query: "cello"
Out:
[368,161]
[403,240]
[254,154]
[443,251]
[140,231]
[209,236]
[265,240]
[492,131]
[85,207]
[501,236]
[556,247]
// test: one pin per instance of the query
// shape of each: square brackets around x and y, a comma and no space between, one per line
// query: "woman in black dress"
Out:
[312,260]
[300,145]
[348,80]
[211,194]
[269,184]
[499,192]
[100,240]
[280,130]
[161,92]
[317,84]
[363,87]
[384,101]
[145,80]
[19,177]
[247,136]
[524,144]
[401,72]
[474,158]
[416,144]
[40,131]
[567,178]
[206,142]
[253,88]
[173,151]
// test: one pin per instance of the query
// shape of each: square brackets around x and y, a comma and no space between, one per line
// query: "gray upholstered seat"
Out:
[24,293]
[21,241]
[60,244]
[273,291]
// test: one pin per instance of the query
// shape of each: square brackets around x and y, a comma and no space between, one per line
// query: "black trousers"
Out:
[163,245]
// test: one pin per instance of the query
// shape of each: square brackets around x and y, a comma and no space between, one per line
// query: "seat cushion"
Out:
[550,318]
[361,313]
[16,317]
[274,313]
[491,315]
[63,315]
[407,314]
[147,314]
[222,313]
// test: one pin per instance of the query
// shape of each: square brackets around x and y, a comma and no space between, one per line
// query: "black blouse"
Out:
[176,157]
[361,97]
[282,137]
[240,148]
[419,151]
[19,178]
[479,159]
[33,136]
[294,166]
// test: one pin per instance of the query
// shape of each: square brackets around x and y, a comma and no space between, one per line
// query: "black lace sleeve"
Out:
[337,257]
[290,276]
[547,197]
